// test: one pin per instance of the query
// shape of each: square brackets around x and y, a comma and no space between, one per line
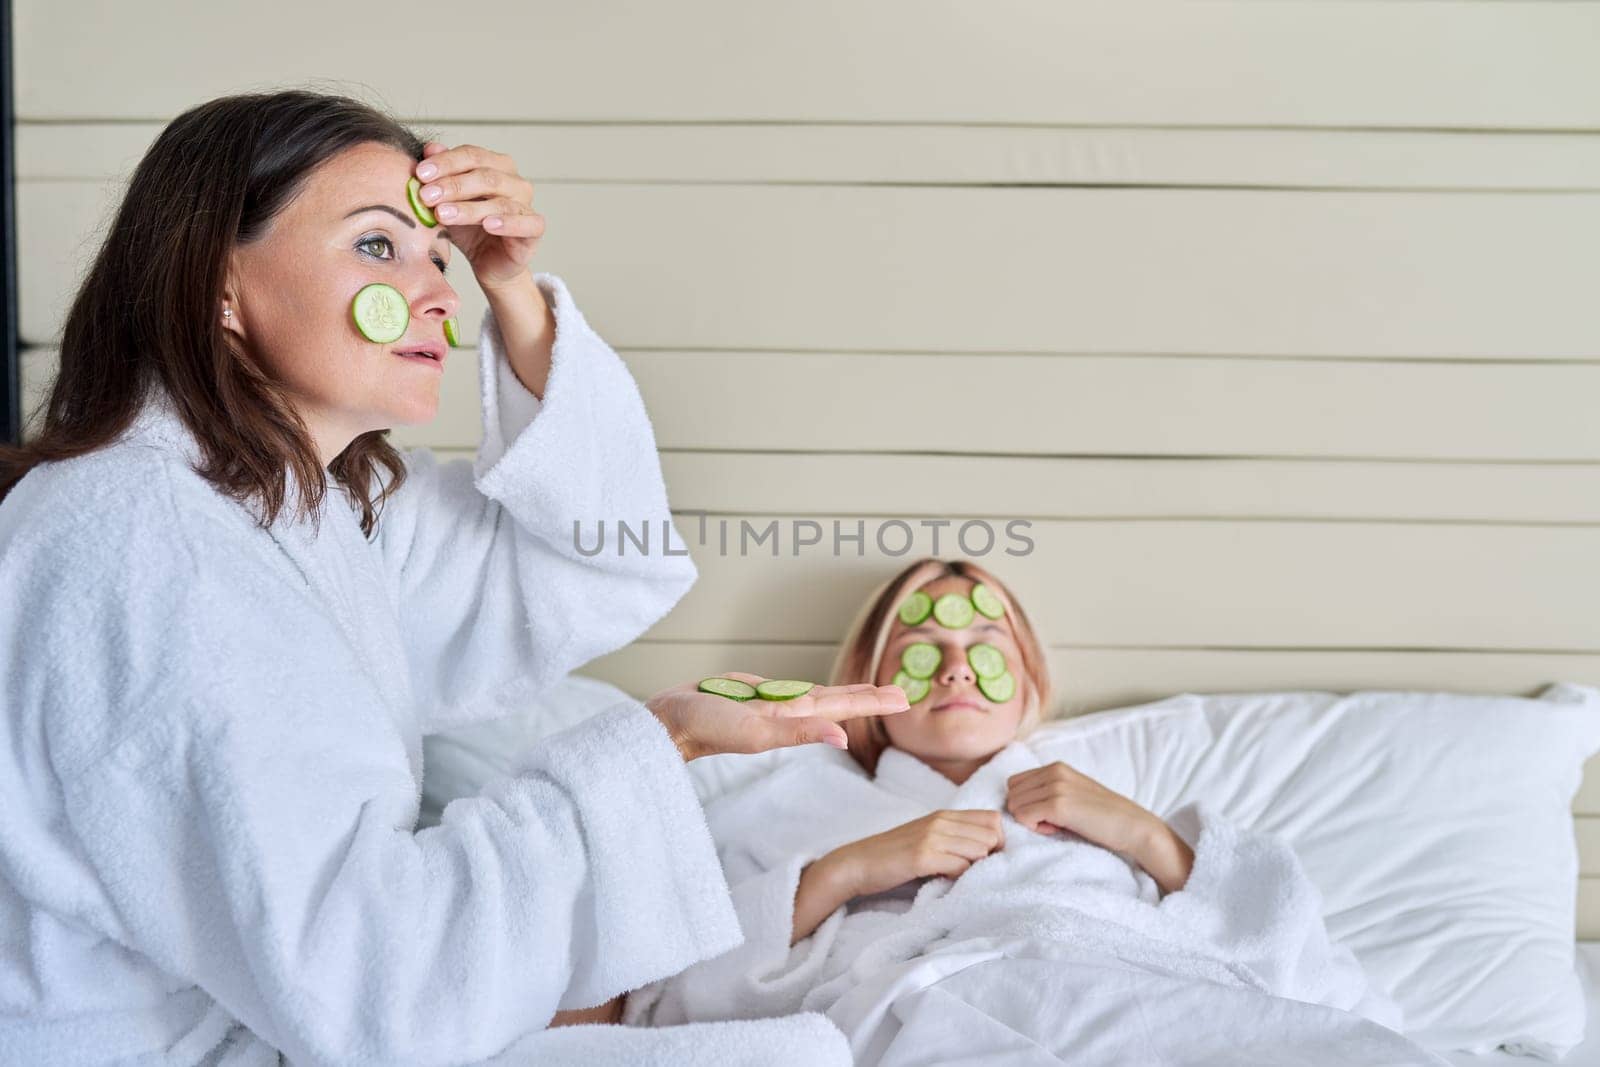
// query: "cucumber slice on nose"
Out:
[1000,688]
[953,611]
[451,338]
[915,688]
[381,313]
[783,689]
[921,659]
[731,688]
[414,194]
[915,608]
[987,661]
[987,601]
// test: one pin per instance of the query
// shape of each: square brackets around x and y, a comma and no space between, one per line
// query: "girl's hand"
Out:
[486,208]
[944,843]
[1057,797]
[704,724]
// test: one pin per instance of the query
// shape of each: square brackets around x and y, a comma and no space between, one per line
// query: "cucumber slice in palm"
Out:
[987,601]
[921,659]
[783,689]
[381,313]
[1001,688]
[414,194]
[987,661]
[915,608]
[451,337]
[731,688]
[953,611]
[915,688]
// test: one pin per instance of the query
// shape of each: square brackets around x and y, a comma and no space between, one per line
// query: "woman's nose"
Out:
[435,298]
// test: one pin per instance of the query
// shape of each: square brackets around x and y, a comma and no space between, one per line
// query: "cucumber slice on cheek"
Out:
[381,313]
[451,338]
[1001,688]
[915,688]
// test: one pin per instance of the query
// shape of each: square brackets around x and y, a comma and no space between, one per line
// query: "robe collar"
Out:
[902,773]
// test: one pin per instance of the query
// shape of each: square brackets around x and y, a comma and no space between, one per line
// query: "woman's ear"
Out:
[230,313]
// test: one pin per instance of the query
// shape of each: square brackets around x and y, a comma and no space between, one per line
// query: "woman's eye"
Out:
[439,262]
[384,242]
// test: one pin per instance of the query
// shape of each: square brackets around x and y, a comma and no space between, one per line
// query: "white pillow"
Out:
[1437,826]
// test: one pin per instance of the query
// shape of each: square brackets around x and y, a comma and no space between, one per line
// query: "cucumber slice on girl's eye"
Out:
[451,338]
[414,194]
[915,688]
[987,661]
[1001,688]
[915,608]
[783,689]
[921,659]
[953,611]
[381,313]
[731,688]
[987,602]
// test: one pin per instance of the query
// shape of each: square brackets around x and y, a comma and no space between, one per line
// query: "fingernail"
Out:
[447,212]
[837,742]
[427,171]
[431,193]
[492,222]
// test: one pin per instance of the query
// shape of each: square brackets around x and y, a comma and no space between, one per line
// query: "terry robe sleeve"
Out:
[494,561]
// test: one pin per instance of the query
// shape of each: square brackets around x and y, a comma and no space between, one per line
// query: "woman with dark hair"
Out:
[233,609]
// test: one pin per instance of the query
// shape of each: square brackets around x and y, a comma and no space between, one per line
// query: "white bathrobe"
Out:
[210,772]
[1050,950]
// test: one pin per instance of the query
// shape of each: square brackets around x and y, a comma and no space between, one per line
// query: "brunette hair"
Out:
[148,314]
[861,652]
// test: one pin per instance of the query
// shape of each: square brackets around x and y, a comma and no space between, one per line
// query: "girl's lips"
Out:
[950,705]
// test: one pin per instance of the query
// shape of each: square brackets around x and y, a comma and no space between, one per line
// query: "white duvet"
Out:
[1050,950]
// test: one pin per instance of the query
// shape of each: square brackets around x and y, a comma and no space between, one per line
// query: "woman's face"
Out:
[291,291]
[955,722]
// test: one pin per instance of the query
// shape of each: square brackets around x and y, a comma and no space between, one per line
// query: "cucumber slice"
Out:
[783,689]
[915,608]
[987,661]
[731,688]
[953,611]
[414,194]
[451,338]
[987,601]
[921,659]
[915,688]
[381,313]
[1001,688]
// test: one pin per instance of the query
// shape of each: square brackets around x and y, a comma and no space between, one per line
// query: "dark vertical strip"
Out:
[10,330]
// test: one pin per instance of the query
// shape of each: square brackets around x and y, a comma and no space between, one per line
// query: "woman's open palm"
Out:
[704,724]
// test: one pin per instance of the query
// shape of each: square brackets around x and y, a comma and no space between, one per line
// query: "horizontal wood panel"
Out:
[1588,909]
[941,155]
[1228,62]
[901,269]
[1170,583]
[1588,832]
[1094,679]
[1091,405]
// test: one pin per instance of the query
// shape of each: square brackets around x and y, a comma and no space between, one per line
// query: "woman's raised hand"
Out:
[486,208]
[704,724]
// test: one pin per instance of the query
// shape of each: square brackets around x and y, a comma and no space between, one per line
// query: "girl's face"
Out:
[291,292]
[955,723]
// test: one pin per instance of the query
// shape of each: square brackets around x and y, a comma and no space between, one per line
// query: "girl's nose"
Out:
[954,667]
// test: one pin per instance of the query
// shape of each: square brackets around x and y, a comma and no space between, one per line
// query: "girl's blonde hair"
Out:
[861,652]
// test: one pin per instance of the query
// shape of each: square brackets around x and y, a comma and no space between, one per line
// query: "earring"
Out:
[227,313]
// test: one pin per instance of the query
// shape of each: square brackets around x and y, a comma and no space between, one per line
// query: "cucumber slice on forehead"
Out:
[915,688]
[987,661]
[783,689]
[381,313]
[953,611]
[1001,688]
[987,601]
[414,194]
[451,338]
[731,688]
[915,608]
[921,659]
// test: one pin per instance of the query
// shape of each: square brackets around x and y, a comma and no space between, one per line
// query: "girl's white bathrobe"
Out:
[210,771]
[1050,950]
